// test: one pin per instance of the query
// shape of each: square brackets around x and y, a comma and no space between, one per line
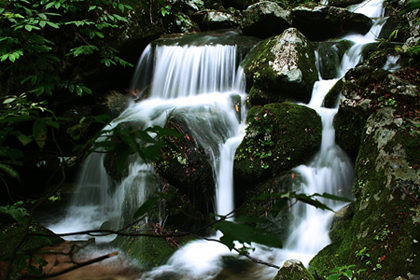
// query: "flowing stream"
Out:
[201,82]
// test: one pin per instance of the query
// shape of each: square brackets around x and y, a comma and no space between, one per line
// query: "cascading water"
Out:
[200,81]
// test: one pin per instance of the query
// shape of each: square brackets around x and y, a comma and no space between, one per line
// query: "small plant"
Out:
[346,271]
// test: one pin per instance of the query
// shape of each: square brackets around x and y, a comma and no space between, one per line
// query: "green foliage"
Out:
[15,111]
[347,271]
[37,40]
[125,141]
[17,211]
[29,34]
[411,6]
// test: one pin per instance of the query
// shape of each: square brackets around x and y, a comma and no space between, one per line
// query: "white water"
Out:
[200,81]
[330,171]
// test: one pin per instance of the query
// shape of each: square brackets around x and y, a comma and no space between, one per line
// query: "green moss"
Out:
[331,98]
[268,82]
[150,251]
[278,138]
[293,270]
[383,236]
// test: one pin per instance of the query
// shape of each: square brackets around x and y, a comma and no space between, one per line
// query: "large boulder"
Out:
[365,90]
[189,169]
[213,20]
[323,22]
[281,68]
[265,19]
[279,136]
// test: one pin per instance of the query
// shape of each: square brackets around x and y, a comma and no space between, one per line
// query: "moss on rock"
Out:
[279,137]
[150,251]
[293,270]
[281,68]
[383,236]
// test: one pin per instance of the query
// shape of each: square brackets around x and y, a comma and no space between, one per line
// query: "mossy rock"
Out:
[366,90]
[189,169]
[330,54]
[281,68]
[293,270]
[331,99]
[150,251]
[383,236]
[182,215]
[280,136]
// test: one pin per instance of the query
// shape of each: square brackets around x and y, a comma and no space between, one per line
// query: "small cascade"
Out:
[331,170]
[202,85]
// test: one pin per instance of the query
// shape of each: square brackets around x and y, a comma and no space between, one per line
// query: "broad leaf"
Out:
[146,207]
[39,133]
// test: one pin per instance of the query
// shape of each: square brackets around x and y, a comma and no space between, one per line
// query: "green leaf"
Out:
[52,24]
[42,16]
[146,207]
[334,276]
[79,90]
[333,197]
[105,119]
[25,140]
[244,234]
[86,89]
[39,133]
[348,273]
[30,27]
[411,5]
[9,100]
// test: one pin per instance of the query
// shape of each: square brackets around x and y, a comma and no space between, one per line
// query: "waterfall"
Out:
[199,82]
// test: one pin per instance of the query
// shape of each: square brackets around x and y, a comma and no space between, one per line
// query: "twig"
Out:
[76,266]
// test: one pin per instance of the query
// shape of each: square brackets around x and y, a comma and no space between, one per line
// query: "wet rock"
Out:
[189,169]
[343,3]
[281,68]
[330,54]
[239,4]
[185,23]
[265,19]
[293,270]
[331,99]
[365,90]
[341,221]
[383,236]
[278,138]
[323,22]
[113,103]
[213,20]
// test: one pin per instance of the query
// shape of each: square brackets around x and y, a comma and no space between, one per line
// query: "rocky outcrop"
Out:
[381,239]
[383,236]
[281,68]
[279,137]
[365,90]
[323,22]
[265,19]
